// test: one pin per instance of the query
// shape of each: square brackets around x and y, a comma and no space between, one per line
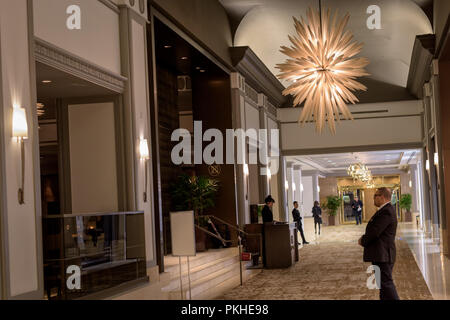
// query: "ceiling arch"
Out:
[266,24]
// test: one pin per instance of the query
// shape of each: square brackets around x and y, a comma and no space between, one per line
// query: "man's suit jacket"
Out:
[379,239]
[296,215]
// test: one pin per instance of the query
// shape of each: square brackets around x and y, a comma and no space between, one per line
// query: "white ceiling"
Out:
[266,24]
[378,161]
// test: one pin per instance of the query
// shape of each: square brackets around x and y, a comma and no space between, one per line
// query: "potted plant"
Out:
[332,204]
[196,194]
[406,203]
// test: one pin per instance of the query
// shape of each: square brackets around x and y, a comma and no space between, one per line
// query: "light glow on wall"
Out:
[20,125]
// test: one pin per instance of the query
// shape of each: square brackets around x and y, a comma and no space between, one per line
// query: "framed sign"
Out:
[182,230]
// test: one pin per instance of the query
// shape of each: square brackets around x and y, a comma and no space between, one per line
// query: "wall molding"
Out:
[65,61]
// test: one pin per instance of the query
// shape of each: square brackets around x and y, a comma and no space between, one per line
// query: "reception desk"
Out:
[281,245]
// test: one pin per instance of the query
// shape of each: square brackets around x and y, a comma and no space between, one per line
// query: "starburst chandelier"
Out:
[322,68]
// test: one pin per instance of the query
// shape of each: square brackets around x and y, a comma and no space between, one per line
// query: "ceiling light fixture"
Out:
[184,58]
[46,81]
[321,60]
[167,47]
[40,109]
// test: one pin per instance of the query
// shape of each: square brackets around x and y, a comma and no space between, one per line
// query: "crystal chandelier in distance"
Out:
[322,68]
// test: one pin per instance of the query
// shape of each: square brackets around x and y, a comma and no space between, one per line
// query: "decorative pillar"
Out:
[238,105]
[21,233]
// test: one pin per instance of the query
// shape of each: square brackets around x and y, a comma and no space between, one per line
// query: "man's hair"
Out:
[385,193]
[295,202]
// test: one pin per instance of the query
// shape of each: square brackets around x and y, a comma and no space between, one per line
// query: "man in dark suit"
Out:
[298,219]
[357,210]
[379,242]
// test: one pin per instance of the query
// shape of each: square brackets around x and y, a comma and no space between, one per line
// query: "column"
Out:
[282,190]
[140,195]
[290,189]
[238,105]
[297,172]
[315,183]
[21,234]
[264,183]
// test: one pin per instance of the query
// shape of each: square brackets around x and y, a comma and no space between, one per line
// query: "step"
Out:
[201,258]
[216,283]
[207,282]
[200,271]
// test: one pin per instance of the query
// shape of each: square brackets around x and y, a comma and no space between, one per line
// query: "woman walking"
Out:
[317,214]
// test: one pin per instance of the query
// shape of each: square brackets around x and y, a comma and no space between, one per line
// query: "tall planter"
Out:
[406,203]
[332,205]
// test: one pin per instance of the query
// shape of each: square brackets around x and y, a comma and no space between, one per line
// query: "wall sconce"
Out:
[318,188]
[20,131]
[427,165]
[436,159]
[145,156]
[246,172]
[410,183]
[286,185]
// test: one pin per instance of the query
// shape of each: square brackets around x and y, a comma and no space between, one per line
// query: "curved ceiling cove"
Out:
[265,28]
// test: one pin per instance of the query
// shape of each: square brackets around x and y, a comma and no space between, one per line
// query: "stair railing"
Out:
[239,232]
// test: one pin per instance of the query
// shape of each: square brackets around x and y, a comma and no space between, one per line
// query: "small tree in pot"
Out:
[406,203]
[197,194]
[332,205]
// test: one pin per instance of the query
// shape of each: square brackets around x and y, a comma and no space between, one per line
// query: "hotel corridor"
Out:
[331,268]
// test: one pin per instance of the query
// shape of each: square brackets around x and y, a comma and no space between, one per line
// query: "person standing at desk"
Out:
[267,214]
[298,219]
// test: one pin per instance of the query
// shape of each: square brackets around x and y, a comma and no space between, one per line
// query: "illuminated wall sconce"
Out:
[436,159]
[427,164]
[318,188]
[246,172]
[20,131]
[145,156]
[410,183]
[286,185]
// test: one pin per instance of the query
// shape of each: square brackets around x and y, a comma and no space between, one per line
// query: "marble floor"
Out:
[435,267]
[331,268]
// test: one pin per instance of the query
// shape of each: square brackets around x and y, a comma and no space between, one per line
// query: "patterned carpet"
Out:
[331,268]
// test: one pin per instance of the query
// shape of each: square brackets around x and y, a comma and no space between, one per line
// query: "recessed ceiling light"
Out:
[184,58]
[198,68]
[167,47]
[202,70]
[46,81]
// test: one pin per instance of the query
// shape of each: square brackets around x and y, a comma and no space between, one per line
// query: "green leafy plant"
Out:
[332,204]
[406,202]
[194,193]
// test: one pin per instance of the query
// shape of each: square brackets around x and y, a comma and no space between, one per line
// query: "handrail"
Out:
[239,231]
[212,234]
[230,225]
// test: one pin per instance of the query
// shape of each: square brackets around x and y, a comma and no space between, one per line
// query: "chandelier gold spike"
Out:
[323,68]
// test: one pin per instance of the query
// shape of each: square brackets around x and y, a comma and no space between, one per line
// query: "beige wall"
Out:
[401,124]
[98,40]
[20,230]
[328,187]
[93,162]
